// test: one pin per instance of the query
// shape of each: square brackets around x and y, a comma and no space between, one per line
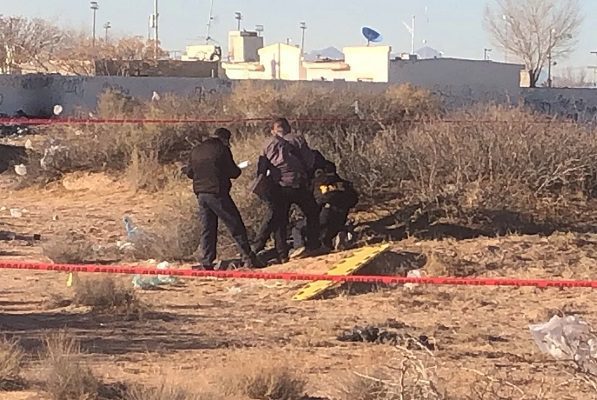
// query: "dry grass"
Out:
[166,392]
[11,360]
[67,377]
[106,295]
[262,380]
[69,248]
[409,376]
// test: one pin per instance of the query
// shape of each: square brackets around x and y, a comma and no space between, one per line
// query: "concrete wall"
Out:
[458,81]
[576,104]
[37,94]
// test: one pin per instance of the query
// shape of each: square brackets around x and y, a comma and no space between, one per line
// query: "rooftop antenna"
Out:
[411,30]
[371,35]
[211,19]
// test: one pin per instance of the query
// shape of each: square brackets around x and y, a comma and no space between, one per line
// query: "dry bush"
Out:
[11,359]
[408,376]
[174,232]
[67,377]
[145,172]
[69,248]
[165,392]
[261,380]
[106,295]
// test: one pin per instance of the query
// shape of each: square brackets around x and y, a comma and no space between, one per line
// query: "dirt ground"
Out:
[196,331]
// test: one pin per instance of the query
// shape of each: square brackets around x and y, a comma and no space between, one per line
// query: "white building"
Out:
[248,59]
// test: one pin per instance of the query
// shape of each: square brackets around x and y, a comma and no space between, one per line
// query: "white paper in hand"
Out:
[243,165]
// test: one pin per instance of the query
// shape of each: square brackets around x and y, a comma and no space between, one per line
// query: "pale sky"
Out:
[452,26]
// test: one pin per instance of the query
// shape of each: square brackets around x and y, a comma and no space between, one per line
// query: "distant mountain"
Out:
[330,52]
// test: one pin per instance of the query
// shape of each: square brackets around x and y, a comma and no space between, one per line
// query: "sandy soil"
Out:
[196,331]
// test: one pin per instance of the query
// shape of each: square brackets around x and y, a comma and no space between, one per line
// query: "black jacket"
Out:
[329,188]
[211,167]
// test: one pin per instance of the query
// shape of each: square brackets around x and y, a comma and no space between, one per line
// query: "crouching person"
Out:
[335,198]
[211,167]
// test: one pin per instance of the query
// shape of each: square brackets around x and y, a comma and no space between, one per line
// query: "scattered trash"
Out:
[21,170]
[386,335]
[244,165]
[16,213]
[124,246]
[155,96]
[28,144]
[52,155]
[568,338]
[153,282]
[235,290]
[9,236]
[58,109]
[133,233]
[417,273]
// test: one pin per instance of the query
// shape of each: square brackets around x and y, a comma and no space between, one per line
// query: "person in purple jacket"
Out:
[287,162]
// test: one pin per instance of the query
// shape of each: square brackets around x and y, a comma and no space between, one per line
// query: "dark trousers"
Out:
[332,221]
[277,218]
[211,208]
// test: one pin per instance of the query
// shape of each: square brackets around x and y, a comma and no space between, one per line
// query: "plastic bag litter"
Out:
[416,273]
[152,282]
[568,338]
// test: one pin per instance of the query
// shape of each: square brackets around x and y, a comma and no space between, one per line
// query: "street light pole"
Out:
[94,8]
[486,54]
[303,27]
[156,39]
[107,26]
[238,16]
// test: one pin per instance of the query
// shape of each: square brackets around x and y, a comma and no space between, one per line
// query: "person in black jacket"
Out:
[211,167]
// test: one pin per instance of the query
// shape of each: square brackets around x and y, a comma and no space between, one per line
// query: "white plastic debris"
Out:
[416,273]
[51,154]
[28,144]
[243,165]
[21,170]
[58,109]
[568,338]
[155,96]
[152,282]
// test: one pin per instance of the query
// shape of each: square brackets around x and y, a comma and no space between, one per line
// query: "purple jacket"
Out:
[290,160]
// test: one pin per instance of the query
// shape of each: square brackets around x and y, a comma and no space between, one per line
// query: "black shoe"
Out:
[253,263]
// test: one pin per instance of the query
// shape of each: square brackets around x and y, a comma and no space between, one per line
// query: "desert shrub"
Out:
[67,377]
[262,381]
[408,376]
[11,360]
[165,392]
[106,295]
[69,248]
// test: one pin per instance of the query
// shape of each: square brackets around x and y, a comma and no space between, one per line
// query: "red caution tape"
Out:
[288,276]
[328,120]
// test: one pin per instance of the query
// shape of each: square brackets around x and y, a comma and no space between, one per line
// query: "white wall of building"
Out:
[243,46]
[281,61]
[368,63]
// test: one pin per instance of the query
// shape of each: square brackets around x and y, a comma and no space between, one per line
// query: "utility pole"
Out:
[156,38]
[209,22]
[238,17]
[486,54]
[549,58]
[594,71]
[303,27]
[107,26]
[94,8]
[412,43]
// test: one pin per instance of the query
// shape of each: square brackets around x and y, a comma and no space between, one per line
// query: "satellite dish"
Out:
[372,35]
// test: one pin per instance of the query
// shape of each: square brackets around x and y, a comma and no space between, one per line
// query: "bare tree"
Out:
[534,30]
[24,41]
[573,78]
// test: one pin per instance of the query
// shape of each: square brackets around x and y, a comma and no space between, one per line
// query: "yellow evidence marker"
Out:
[71,279]
[348,266]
